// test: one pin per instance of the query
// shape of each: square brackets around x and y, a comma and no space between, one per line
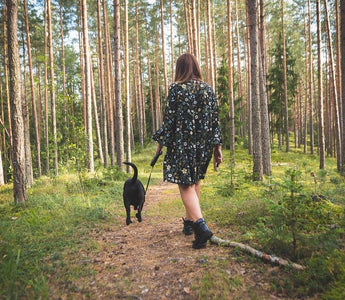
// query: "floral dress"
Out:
[190,131]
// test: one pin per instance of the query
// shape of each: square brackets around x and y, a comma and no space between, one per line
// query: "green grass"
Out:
[37,238]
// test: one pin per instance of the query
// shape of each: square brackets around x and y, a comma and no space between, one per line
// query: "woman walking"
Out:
[191,134]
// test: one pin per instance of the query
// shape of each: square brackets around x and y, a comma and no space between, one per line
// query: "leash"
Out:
[152,164]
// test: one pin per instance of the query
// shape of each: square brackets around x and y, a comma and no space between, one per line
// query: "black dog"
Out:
[133,194]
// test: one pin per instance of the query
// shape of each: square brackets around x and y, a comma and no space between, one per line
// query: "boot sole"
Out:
[201,243]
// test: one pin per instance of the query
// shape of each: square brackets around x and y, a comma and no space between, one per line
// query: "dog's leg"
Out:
[138,214]
[128,213]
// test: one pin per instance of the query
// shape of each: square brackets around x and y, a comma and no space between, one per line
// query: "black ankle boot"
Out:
[202,234]
[187,227]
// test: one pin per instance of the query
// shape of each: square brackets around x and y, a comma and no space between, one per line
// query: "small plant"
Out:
[298,224]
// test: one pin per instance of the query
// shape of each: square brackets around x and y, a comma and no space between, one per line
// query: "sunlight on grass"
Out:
[39,237]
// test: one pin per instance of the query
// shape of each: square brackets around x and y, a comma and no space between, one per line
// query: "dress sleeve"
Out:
[217,135]
[165,134]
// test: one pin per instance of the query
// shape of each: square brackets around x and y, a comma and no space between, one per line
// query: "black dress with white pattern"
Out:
[190,131]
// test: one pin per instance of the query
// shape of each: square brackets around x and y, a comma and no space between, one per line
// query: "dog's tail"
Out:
[135,176]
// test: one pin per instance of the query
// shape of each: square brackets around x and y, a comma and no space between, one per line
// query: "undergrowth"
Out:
[296,213]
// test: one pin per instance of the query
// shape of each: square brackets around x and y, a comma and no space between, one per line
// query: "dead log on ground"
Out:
[270,258]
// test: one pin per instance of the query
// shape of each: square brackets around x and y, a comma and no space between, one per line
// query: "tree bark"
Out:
[18,157]
[249,88]
[104,131]
[257,149]
[26,119]
[88,95]
[320,90]
[7,89]
[109,80]
[127,90]
[210,44]
[63,65]
[286,113]
[342,39]
[257,253]
[118,98]
[52,87]
[310,83]
[230,83]
[171,42]
[334,90]
[265,126]
[138,79]
[32,89]
[163,51]
[46,114]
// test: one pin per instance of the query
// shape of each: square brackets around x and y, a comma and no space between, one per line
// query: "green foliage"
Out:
[299,224]
[39,239]
[276,84]
[223,98]
[60,212]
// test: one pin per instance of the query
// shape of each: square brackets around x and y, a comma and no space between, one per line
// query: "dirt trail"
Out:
[154,260]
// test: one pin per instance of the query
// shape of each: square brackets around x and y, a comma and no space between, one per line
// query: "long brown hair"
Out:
[187,68]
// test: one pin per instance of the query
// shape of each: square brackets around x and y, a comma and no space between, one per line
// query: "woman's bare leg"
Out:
[190,199]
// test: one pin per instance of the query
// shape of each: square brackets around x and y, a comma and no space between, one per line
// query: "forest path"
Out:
[154,260]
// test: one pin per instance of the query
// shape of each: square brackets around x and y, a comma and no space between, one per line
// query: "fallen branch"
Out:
[270,258]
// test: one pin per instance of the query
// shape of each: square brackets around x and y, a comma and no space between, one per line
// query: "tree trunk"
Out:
[194,29]
[63,65]
[230,83]
[210,44]
[286,113]
[257,149]
[96,118]
[338,77]
[239,70]
[265,126]
[52,87]
[88,96]
[310,83]
[32,86]
[18,157]
[118,98]
[342,47]
[101,88]
[320,90]
[46,114]
[7,89]
[109,80]
[163,50]
[188,25]
[171,42]
[26,120]
[127,90]
[334,90]
[137,79]
[249,87]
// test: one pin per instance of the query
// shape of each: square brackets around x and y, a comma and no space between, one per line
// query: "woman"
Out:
[191,133]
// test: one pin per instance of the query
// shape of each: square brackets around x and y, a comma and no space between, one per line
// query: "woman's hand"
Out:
[218,157]
[159,148]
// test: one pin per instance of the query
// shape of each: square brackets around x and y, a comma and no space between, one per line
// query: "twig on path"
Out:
[270,258]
